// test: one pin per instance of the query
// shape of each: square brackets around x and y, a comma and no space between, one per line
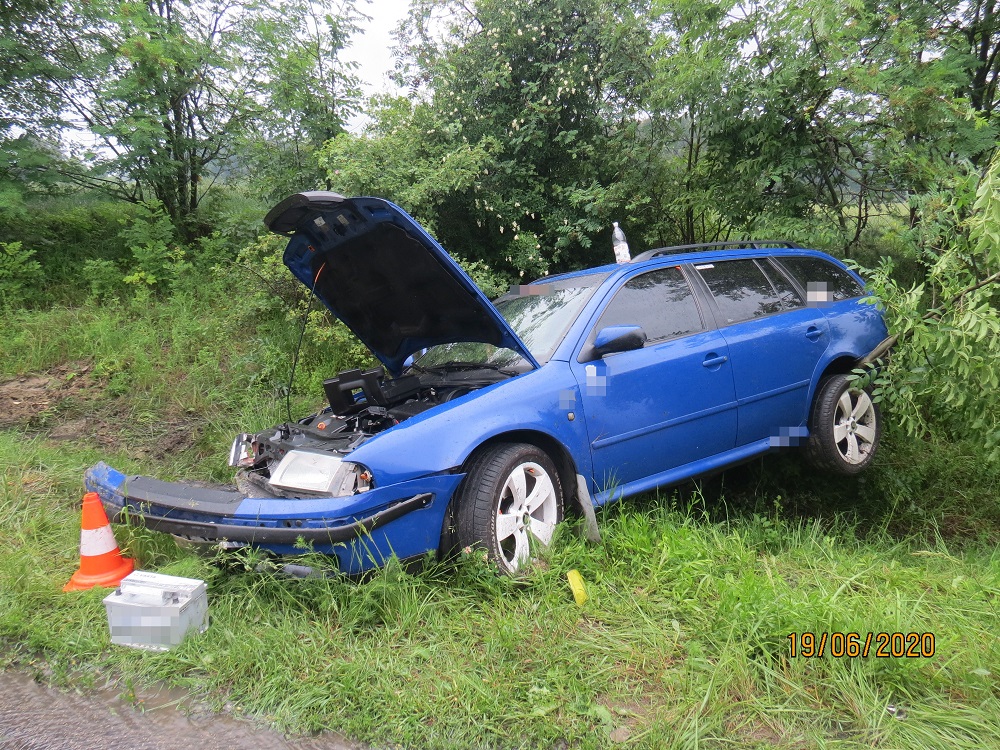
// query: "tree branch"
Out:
[934,314]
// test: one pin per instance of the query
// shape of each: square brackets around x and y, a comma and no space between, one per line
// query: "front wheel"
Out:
[844,427]
[511,498]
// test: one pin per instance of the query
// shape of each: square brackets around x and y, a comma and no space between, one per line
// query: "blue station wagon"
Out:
[488,421]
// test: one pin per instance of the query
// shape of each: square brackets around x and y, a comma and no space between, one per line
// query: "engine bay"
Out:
[361,405]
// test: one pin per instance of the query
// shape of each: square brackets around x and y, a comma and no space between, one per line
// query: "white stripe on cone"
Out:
[95,542]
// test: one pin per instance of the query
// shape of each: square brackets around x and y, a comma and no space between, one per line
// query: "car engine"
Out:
[362,404]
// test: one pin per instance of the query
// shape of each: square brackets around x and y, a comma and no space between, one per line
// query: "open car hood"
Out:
[388,280]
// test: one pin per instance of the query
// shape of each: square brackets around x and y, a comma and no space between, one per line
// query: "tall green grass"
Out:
[682,644]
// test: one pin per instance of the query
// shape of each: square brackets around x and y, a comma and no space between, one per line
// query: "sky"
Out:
[373,50]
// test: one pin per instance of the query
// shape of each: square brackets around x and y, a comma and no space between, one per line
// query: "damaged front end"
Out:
[362,530]
[308,457]
[296,489]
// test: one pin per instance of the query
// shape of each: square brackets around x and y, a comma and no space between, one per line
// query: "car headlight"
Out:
[323,473]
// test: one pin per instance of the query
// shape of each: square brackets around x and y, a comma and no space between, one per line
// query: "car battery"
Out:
[154,612]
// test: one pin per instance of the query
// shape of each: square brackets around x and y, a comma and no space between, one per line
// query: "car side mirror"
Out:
[619,339]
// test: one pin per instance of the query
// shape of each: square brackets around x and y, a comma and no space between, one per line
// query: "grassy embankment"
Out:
[683,644]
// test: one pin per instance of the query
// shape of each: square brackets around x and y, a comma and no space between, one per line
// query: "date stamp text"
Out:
[852,645]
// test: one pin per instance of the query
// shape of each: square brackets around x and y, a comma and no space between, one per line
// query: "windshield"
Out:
[540,315]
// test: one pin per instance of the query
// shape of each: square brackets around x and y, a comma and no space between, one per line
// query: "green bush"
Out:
[943,377]
[66,231]
[158,259]
[270,305]
[104,277]
[235,213]
[493,283]
[84,242]
[20,273]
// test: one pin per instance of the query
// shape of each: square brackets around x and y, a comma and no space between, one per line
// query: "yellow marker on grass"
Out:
[577,586]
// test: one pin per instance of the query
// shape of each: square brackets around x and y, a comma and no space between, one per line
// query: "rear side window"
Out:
[660,301]
[741,290]
[822,280]
[787,295]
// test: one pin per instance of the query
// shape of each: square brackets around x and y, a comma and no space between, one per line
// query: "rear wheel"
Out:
[510,500]
[844,428]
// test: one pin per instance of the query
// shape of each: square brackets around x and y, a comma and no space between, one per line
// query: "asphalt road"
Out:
[38,717]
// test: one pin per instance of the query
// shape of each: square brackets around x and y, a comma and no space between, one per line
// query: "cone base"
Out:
[81,581]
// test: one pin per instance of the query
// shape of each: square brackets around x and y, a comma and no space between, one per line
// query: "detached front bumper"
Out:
[362,530]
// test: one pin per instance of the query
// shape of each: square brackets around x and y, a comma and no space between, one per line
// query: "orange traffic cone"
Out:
[101,562]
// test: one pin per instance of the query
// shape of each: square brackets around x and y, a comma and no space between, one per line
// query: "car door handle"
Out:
[813,333]
[714,360]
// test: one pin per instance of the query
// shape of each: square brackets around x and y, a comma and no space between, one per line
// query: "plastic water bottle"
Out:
[620,244]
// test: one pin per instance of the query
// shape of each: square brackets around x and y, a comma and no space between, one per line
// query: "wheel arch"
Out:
[555,450]
[841,365]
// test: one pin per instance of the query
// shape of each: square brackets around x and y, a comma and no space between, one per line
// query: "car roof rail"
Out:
[737,245]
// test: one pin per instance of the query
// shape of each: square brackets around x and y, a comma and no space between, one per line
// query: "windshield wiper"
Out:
[468,366]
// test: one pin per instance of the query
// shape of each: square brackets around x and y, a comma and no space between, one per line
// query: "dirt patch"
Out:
[170,434]
[23,400]
[67,403]
[92,429]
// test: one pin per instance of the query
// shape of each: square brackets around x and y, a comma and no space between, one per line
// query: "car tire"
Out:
[511,498]
[845,427]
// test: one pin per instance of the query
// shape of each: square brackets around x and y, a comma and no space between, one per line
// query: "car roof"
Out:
[615,274]
[655,259]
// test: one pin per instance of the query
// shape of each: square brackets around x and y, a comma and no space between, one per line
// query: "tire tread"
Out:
[485,473]
[820,450]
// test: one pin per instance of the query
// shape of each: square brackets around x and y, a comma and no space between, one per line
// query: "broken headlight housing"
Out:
[241,453]
[320,473]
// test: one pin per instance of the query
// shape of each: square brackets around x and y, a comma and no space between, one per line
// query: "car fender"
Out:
[545,401]
[857,327]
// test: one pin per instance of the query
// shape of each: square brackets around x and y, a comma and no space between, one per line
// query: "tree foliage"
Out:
[944,373]
[29,77]
[533,98]
[310,92]
[170,89]
[848,109]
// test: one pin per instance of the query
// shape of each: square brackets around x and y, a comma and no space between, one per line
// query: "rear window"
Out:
[741,290]
[822,280]
[789,298]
